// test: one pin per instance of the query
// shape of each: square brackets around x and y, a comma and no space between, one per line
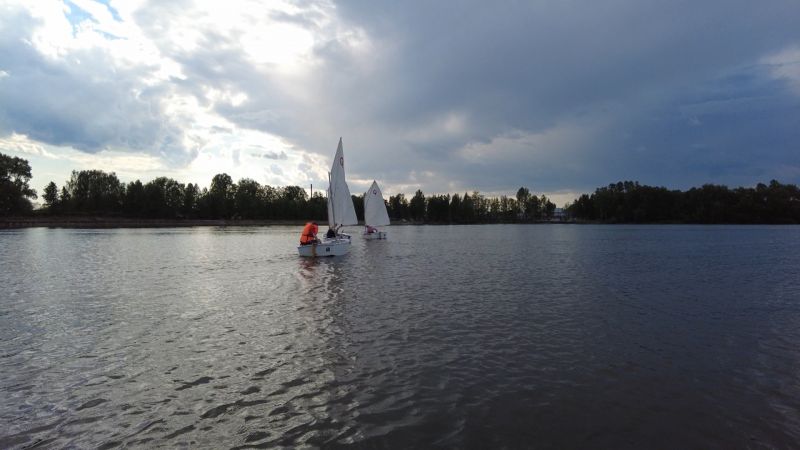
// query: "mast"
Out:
[330,194]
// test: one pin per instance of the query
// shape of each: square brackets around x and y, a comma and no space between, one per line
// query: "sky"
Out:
[558,96]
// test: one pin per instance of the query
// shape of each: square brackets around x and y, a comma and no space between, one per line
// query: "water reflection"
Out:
[569,336]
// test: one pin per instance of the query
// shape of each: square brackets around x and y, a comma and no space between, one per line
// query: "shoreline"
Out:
[127,222]
[77,222]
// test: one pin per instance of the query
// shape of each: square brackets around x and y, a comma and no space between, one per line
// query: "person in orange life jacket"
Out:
[309,235]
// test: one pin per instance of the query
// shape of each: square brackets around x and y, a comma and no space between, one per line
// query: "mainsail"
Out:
[374,207]
[339,198]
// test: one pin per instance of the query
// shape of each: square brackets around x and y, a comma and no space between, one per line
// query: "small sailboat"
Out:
[375,214]
[340,213]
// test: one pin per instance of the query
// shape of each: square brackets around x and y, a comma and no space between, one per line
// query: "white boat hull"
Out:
[328,247]
[376,235]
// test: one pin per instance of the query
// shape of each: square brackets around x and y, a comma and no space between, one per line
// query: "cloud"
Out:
[22,145]
[271,155]
[785,65]
[63,90]
[557,96]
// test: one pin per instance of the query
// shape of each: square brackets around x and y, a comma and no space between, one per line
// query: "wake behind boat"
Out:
[375,214]
[340,213]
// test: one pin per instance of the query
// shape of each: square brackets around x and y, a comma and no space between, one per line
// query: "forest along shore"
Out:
[93,198]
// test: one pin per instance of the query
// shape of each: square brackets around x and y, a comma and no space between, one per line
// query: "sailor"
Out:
[330,234]
[309,235]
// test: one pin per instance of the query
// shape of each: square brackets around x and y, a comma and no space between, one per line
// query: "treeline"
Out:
[471,208]
[101,193]
[631,202]
[98,193]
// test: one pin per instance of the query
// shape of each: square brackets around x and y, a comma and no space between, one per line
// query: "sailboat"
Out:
[340,213]
[375,214]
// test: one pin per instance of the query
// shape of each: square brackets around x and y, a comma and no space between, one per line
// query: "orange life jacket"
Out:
[309,234]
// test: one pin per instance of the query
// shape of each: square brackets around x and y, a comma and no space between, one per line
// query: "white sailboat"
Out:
[340,213]
[375,214]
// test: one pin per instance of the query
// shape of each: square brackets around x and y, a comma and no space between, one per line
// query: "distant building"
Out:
[559,214]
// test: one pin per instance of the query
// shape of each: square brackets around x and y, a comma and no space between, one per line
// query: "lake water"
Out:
[548,336]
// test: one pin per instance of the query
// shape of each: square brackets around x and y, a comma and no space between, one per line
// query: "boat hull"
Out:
[332,247]
[376,235]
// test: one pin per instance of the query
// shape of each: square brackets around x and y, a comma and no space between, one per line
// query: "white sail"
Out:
[374,207]
[343,211]
[340,212]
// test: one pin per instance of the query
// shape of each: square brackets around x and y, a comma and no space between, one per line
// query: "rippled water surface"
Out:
[552,336]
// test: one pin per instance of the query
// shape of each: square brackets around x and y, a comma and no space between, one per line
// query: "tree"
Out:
[630,201]
[523,194]
[64,198]
[495,213]
[582,208]
[220,196]
[50,195]
[269,195]
[134,201]
[398,207]
[163,198]
[289,203]
[15,173]
[247,200]
[467,208]
[437,208]
[533,207]
[547,207]
[95,191]
[358,204]
[416,207]
[190,198]
[455,209]
[481,207]
[317,207]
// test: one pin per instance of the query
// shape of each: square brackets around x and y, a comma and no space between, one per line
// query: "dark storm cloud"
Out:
[635,67]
